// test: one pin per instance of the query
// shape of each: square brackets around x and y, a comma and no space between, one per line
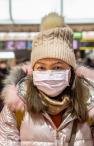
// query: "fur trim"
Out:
[15,76]
[9,93]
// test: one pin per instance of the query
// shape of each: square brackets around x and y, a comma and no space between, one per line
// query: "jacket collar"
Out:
[67,119]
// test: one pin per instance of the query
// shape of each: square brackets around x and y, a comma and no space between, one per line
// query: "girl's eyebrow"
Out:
[58,62]
[40,63]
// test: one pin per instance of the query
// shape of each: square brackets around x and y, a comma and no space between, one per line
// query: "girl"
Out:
[54,99]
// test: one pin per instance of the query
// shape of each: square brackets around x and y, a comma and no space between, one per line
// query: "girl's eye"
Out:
[40,68]
[57,68]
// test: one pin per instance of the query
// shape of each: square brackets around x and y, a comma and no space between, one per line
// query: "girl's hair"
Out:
[79,94]
[33,101]
[77,91]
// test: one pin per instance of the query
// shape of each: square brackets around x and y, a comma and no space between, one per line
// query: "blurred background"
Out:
[20,21]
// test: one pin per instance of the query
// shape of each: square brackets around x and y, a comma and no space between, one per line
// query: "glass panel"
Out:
[78,11]
[4,11]
[31,11]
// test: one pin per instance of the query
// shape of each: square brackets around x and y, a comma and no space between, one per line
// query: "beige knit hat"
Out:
[54,43]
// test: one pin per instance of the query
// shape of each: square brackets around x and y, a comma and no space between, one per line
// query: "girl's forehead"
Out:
[51,61]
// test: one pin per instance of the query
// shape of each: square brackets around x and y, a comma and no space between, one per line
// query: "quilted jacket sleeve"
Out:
[9,134]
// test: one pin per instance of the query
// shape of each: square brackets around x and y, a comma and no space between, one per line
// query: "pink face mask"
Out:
[51,82]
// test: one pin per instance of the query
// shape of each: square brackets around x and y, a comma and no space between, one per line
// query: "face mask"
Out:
[51,82]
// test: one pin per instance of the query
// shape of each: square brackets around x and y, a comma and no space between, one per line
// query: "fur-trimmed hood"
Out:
[13,95]
[9,93]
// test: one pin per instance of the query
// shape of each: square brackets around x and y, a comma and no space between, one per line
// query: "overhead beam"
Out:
[19,28]
[35,28]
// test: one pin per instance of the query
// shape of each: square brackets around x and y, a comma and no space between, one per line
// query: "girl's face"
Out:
[51,64]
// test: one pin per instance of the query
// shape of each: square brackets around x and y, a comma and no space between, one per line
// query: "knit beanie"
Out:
[55,42]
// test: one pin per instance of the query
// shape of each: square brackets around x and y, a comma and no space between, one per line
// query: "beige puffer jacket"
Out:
[39,130]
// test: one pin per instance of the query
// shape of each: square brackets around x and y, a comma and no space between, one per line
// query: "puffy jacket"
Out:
[39,129]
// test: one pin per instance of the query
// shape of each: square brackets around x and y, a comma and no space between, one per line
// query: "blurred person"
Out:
[90,60]
[79,60]
[11,63]
[54,100]
[3,73]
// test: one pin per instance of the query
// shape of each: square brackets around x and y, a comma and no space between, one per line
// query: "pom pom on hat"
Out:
[50,21]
